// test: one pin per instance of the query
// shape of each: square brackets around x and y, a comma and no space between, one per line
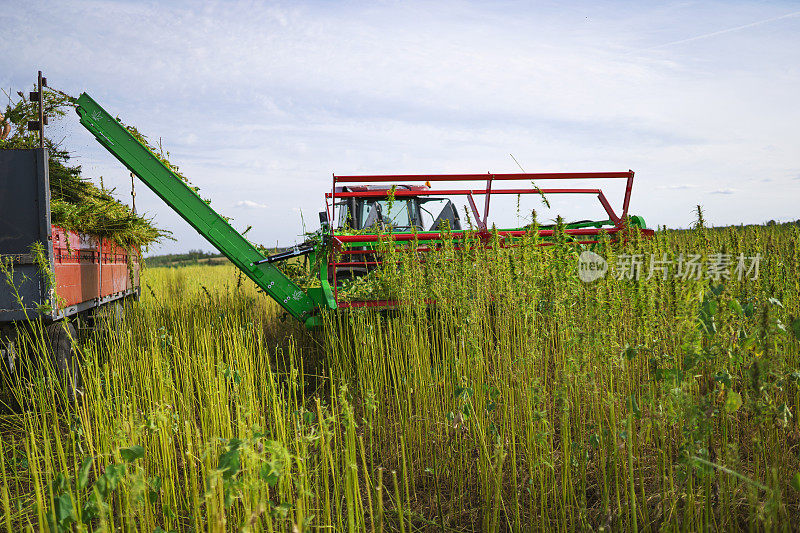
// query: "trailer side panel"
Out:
[90,269]
[24,220]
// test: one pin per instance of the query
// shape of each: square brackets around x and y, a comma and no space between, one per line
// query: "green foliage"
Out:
[83,503]
[131,454]
[76,203]
[159,152]
[524,400]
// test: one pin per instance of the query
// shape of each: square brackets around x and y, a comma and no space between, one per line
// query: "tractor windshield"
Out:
[398,213]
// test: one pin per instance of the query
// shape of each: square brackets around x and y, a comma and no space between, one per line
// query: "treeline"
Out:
[193,257]
[190,257]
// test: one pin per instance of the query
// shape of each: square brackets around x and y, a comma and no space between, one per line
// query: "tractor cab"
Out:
[370,206]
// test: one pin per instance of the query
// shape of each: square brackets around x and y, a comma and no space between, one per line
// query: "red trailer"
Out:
[71,277]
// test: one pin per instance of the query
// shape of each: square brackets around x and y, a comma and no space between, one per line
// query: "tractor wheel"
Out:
[115,313]
[9,375]
[109,317]
[62,338]
[8,362]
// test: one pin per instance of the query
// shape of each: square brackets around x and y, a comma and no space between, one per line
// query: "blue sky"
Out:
[259,102]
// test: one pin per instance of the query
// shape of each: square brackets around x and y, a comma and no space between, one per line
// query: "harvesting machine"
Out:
[359,212]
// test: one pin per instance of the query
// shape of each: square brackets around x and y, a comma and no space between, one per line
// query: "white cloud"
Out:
[249,204]
[265,102]
[678,186]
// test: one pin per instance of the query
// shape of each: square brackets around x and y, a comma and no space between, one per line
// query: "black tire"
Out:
[119,310]
[115,312]
[108,317]
[8,365]
[62,338]
[9,377]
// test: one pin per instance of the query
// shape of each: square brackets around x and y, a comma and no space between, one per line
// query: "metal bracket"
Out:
[38,96]
[18,259]
[299,250]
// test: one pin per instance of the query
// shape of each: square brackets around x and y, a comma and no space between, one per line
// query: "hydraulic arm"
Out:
[189,205]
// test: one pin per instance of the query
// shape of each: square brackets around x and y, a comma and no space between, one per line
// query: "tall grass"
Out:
[525,399]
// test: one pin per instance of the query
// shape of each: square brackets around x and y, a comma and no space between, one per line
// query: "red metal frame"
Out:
[482,221]
[400,178]
[488,192]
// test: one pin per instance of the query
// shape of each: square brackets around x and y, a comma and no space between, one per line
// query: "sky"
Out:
[258,103]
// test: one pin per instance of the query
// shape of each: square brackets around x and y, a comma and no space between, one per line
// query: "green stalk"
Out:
[398,502]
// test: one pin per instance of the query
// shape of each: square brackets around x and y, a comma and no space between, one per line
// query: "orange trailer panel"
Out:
[88,268]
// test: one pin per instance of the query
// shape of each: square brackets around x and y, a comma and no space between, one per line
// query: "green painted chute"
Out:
[188,204]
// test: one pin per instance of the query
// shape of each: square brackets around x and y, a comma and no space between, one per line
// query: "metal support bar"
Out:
[402,193]
[474,207]
[436,236]
[486,204]
[18,259]
[303,249]
[626,202]
[133,193]
[41,111]
[607,206]
[400,178]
